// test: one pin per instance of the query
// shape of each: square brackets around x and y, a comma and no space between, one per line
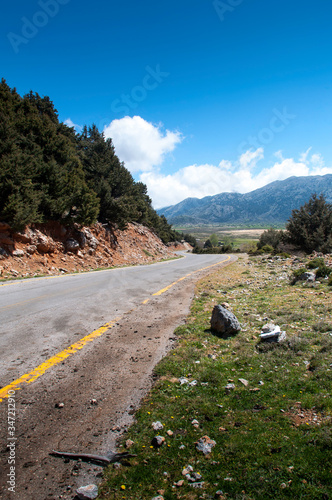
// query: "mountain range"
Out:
[271,204]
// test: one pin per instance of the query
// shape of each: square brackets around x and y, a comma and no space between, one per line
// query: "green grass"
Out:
[273,440]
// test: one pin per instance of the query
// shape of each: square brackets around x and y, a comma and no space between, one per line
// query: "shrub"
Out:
[270,237]
[316,262]
[310,227]
[323,271]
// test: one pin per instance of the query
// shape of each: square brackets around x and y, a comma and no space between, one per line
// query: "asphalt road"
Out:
[40,317]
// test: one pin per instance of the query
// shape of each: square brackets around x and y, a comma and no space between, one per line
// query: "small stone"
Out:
[157,426]
[205,445]
[159,497]
[193,383]
[283,486]
[187,470]
[93,402]
[195,422]
[129,443]
[117,465]
[59,405]
[183,380]
[87,492]
[169,433]
[222,429]
[158,441]
[244,382]
[179,483]
[182,447]
[197,485]
[18,253]
[230,387]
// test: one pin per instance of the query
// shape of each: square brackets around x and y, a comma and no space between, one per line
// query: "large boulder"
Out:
[224,322]
[45,244]
[72,245]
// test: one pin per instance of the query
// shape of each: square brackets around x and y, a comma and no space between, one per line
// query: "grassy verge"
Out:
[273,436]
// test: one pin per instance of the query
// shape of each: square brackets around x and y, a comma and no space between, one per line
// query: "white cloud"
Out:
[249,159]
[70,123]
[207,180]
[140,144]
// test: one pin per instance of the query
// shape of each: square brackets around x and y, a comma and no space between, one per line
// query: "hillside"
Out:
[53,249]
[271,204]
[48,173]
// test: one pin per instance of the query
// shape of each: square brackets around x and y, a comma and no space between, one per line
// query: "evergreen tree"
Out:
[48,172]
[310,227]
[41,177]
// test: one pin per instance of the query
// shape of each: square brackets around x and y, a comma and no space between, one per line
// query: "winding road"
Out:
[90,342]
[40,317]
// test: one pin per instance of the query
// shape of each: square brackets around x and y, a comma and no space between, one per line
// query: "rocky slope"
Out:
[271,204]
[53,249]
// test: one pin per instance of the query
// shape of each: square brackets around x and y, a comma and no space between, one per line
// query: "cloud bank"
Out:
[144,146]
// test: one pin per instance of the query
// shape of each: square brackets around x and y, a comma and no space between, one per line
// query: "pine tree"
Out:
[310,227]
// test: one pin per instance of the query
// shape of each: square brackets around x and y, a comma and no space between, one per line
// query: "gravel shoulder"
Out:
[88,401]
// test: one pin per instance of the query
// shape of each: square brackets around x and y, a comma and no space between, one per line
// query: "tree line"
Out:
[50,173]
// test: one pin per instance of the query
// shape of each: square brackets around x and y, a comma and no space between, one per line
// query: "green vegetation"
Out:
[271,237]
[50,173]
[310,227]
[316,265]
[273,437]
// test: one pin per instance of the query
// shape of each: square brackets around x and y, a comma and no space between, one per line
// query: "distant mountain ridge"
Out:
[271,204]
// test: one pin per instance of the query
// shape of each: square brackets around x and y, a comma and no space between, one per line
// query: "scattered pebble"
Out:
[157,426]
[87,492]
[230,387]
[197,485]
[205,445]
[129,443]
[158,441]
[187,470]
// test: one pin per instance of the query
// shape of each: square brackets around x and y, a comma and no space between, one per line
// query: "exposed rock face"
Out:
[224,322]
[55,249]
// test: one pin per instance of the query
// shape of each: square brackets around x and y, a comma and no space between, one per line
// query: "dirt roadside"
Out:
[100,388]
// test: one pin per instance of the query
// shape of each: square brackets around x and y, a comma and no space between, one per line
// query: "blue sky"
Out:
[199,96]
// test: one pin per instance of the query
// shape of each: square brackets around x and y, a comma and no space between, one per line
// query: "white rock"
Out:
[87,492]
[157,426]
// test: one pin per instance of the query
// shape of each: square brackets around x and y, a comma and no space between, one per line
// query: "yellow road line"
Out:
[187,275]
[28,378]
